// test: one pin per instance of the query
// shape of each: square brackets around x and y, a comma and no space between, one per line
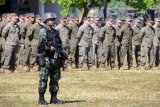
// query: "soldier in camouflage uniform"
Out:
[136,43]
[96,41]
[147,51]
[117,40]
[156,42]
[108,33]
[28,38]
[21,25]
[34,42]
[65,32]
[85,34]
[49,56]
[5,20]
[126,33]
[11,33]
[73,41]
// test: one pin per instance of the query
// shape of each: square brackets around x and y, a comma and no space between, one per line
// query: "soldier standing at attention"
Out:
[34,37]
[11,33]
[147,51]
[51,56]
[85,34]
[117,26]
[108,33]
[126,34]
[156,42]
[96,41]
[64,33]
[136,42]
[73,42]
[5,20]
[28,38]
[23,24]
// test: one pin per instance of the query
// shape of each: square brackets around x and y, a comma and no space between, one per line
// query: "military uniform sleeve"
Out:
[5,31]
[43,39]
[80,32]
[102,32]
[29,32]
[142,34]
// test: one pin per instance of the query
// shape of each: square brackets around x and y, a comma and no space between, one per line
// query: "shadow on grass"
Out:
[74,101]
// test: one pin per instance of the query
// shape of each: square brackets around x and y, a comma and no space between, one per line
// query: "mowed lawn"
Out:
[85,89]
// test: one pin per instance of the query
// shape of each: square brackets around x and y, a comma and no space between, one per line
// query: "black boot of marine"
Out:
[41,99]
[54,99]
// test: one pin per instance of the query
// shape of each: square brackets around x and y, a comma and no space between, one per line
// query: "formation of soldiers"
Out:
[94,44]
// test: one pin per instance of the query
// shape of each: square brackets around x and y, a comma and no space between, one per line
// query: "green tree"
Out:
[2,2]
[140,4]
[83,5]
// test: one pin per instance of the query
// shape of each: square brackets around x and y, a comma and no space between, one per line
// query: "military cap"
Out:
[118,20]
[37,16]
[149,20]
[136,20]
[29,15]
[14,15]
[157,19]
[108,19]
[21,16]
[128,19]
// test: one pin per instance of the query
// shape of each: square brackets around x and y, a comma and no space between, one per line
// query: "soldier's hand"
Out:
[69,57]
[52,48]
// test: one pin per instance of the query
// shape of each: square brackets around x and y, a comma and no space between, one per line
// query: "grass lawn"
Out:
[85,89]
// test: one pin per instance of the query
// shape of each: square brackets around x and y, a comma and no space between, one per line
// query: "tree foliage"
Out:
[70,5]
[2,2]
[140,4]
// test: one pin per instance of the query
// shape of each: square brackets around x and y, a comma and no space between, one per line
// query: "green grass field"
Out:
[85,89]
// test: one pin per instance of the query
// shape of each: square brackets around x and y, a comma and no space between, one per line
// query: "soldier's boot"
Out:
[7,71]
[35,68]
[54,99]
[92,68]
[2,70]
[19,68]
[142,68]
[26,69]
[102,67]
[41,99]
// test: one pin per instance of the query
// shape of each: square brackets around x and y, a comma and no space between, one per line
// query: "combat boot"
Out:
[41,99]
[7,71]
[54,99]
[2,70]
[26,69]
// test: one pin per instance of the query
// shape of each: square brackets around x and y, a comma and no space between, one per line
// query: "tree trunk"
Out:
[85,13]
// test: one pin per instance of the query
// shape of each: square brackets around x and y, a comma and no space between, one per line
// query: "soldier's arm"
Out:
[29,32]
[80,32]
[102,32]
[43,39]
[142,34]
[5,31]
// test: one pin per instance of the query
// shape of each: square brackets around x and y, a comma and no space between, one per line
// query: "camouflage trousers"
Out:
[1,55]
[26,54]
[44,73]
[73,53]
[83,52]
[108,51]
[117,54]
[20,54]
[136,51]
[10,56]
[126,50]
[33,55]
[147,53]
[156,55]
[97,49]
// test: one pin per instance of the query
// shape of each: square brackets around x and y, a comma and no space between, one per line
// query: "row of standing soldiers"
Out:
[91,44]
